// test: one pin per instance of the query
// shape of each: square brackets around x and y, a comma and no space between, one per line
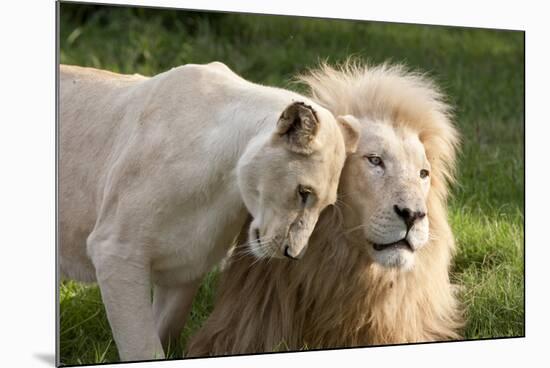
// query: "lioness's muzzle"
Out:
[296,257]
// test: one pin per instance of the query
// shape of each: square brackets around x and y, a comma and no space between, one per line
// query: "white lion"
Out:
[157,177]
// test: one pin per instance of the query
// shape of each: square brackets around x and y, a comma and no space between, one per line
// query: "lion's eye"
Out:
[304,193]
[424,173]
[375,160]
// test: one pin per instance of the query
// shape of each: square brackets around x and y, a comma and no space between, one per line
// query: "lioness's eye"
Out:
[375,160]
[424,173]
[304,193]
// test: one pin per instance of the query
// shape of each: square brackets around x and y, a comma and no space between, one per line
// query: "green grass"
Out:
[482,71]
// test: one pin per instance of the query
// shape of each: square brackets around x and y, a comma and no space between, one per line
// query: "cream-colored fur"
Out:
[158,175]
[346,292]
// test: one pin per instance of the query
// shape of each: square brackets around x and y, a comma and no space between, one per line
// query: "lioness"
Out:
[378,268]
[158,175]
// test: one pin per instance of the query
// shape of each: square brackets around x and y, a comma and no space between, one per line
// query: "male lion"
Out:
[377,270]
[158,175]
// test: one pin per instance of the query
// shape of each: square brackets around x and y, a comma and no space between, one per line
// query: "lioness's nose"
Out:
[408,215]
[296,257]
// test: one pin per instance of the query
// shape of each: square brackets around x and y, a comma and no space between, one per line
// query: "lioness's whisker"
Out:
[246,249]
[340,201]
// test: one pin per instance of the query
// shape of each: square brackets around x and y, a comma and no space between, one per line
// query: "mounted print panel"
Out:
[246,183]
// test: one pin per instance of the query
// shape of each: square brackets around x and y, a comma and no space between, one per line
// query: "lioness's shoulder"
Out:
[211,72]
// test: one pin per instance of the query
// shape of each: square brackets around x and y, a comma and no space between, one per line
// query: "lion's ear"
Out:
[298,126]
[351,130]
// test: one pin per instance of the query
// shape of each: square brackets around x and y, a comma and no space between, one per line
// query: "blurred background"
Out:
[481,71]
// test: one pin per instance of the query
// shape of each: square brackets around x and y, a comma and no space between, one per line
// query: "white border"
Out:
[508,14]
[27,181]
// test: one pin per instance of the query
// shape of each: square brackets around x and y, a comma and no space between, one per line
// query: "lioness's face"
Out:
[291,195]
[292,177]
[385,184]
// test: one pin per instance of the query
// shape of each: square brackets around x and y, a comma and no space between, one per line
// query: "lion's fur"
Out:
[336,296]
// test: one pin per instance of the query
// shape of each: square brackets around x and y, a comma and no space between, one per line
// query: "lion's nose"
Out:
[408,215]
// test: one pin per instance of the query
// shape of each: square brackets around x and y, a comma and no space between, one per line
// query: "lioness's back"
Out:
[83,73]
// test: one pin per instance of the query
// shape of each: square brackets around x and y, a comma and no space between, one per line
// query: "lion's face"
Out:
[385,185]
[288,179]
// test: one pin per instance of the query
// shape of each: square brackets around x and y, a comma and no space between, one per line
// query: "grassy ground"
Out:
[481,70]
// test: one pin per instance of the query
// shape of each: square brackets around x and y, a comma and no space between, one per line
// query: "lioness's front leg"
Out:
[171,306]
[124,281]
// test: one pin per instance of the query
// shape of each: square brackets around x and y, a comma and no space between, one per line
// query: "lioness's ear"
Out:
[298,126]
[351,130]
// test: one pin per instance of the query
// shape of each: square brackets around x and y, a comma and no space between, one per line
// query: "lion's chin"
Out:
[396,257]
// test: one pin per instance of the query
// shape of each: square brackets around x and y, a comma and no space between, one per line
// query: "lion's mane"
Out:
[335,296]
